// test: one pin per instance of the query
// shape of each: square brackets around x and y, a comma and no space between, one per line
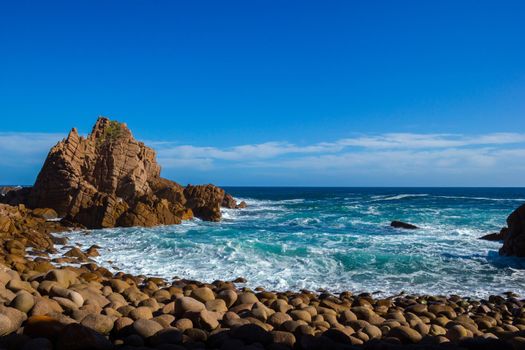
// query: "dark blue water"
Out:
[335,239]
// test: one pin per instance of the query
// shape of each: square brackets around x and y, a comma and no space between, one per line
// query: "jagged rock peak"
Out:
[110,179]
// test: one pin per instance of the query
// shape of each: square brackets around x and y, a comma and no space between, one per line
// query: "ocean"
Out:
[333,239]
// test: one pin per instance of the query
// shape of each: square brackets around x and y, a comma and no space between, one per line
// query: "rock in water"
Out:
[400,224]
[514,240]
[496,236]
[205,201]
[110,179]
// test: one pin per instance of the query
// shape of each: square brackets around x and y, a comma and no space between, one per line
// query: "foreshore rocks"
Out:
[110,179]
[47,306]
[31,226]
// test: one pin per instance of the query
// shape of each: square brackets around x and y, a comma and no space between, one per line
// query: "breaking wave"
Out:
[330,239]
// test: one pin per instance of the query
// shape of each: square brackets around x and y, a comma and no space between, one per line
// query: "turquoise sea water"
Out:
[335,239]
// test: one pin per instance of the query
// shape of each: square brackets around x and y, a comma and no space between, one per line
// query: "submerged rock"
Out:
[110,179]
[401,224]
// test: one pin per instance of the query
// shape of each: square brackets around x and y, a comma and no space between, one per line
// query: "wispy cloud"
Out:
[379,156]
[25,147]
[362,146]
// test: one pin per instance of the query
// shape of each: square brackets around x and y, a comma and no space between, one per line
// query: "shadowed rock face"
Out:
[401,224]
[110,179]
[514,239]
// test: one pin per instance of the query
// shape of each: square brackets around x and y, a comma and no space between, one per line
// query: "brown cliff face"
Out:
[110,179]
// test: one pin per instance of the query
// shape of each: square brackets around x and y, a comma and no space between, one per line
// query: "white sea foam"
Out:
[399,196]
[484,198]
[324,244]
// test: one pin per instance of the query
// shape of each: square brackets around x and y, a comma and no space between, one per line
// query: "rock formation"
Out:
[514,238]
[110,179]
[404,225]
[32,226]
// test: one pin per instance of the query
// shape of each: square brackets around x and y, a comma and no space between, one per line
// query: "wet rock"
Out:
[92,251]
[76,253]
[204,201]
[404,225]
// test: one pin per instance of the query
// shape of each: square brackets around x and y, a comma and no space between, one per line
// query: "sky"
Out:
[274,93]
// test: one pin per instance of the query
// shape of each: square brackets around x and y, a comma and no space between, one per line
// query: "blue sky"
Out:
[333,93]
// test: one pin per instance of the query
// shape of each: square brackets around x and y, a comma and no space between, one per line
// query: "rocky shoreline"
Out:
[46,305]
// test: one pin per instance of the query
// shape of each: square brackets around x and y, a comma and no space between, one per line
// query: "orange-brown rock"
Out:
[110,179]
[205,201]
[20,223]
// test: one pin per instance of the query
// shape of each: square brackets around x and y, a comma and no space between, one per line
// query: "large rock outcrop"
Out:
[110,179]
[514,237]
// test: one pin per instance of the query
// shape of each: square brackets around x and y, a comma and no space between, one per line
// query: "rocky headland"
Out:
[110,179]
[70,302]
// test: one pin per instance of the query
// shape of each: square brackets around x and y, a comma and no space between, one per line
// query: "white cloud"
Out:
[428,144]
[26,148]
[403,155]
